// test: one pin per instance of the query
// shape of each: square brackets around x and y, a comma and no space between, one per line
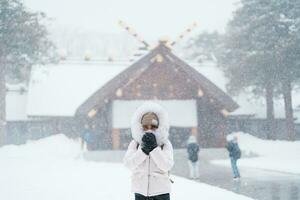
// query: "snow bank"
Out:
[52,168]
[56,147]
[269,148]
[282,156]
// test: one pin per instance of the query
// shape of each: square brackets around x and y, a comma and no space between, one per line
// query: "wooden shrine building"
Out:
[195,104]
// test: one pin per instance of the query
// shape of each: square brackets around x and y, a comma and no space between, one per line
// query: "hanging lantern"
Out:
[159,58]
[119,92]
[225,112]
[200,93]
[92,113]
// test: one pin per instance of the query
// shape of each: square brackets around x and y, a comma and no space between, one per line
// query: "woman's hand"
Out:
[148,142]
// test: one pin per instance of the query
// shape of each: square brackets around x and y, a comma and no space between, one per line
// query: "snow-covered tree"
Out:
[260,51]
[288,57]
[204,46]
[24,42]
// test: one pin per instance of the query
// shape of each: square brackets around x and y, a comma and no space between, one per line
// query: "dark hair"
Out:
[153,116]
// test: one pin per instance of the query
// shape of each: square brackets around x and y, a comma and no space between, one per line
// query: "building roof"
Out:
[139,67]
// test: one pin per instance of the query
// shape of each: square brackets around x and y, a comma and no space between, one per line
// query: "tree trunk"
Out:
[2,104]
[289,118]
[270,111]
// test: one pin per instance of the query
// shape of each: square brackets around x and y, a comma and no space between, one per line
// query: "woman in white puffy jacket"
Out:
[150,153]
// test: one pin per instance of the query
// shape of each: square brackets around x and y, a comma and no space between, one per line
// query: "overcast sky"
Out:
[151,18]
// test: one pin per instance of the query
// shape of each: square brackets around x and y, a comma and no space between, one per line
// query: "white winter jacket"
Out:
[150,174]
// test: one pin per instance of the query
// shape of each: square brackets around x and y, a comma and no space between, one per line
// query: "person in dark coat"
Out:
[234,154]
[87,138]
[193,158]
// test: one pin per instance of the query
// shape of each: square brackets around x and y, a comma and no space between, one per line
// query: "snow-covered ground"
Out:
[281,156]
[53,168]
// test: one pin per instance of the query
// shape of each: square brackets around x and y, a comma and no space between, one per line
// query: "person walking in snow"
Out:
[150,153]
[193,157]
[234,154]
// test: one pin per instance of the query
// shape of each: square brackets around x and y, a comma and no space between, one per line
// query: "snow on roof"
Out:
[122,112]
[16,101]
[58,90]
[16,87]
[212,72]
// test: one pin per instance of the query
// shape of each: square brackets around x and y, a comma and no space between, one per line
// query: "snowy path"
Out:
[255,183]
[53,168]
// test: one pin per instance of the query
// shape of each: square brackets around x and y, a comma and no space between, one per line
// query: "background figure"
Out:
[234,154]
[193,151]
[87,138]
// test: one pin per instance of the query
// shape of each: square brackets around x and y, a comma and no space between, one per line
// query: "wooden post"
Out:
[222,135]
[116,138]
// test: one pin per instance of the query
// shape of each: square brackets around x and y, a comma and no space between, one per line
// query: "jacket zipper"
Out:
[148,177]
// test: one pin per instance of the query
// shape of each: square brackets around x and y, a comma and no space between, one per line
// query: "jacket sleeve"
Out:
[163,158]
[229,147]
[188,149]
[134,156]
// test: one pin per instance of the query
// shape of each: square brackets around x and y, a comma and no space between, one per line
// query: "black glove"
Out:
[148,142]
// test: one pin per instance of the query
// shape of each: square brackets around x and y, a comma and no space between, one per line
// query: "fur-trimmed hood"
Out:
[162,133]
